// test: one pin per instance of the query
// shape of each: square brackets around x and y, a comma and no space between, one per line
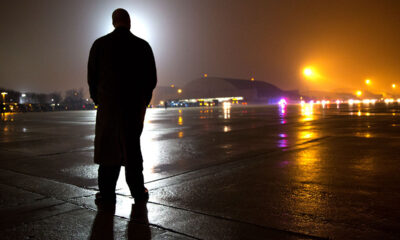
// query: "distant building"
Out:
[251,91]
[343,95]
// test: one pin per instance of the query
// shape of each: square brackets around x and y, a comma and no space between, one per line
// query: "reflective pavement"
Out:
[241,172]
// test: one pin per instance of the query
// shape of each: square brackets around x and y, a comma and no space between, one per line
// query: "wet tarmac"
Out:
[240,172]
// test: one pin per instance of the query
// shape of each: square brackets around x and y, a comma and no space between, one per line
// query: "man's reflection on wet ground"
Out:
[103,224]
[138,226]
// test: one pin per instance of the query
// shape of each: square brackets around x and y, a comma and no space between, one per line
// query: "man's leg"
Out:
[107,180]
[135,180]
[133,155]
[134,174]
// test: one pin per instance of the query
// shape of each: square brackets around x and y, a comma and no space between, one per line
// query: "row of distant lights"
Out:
[350,101]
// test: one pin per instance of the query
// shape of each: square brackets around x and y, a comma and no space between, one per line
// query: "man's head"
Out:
[120,18]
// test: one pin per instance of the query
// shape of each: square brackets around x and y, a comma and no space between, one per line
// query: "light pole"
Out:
[4,97]
[4,101]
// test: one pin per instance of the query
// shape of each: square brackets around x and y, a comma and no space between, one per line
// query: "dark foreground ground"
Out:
[213,173]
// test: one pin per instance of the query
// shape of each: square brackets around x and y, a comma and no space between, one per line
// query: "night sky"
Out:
[45,43]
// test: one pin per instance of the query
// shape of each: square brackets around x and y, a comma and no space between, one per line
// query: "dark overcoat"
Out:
[121,78]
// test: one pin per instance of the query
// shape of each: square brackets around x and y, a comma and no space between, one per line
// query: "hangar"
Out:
[250,91]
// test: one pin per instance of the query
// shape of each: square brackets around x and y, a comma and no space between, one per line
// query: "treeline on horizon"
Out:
[16,101]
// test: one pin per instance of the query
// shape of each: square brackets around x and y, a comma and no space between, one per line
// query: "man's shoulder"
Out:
[140,40]
[102,39]
[112,37]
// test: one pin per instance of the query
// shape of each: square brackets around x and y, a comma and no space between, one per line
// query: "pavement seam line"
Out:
[139,222]
[294,148]
[50,216]
[162,228]
[54,215]
[252,158]
[60,153]
[235,160]
[47,154]
[41,177]
[204,214]
[156,225]
[81,208]
[243,222]
[41,208]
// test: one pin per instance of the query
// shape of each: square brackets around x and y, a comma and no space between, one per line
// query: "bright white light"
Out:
[140,24]
[282,102]
[323,103]
[227,110]
[307,72]
[138,27]
[226,104]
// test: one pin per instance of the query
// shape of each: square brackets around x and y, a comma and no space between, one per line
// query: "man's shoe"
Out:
[102,200]
[142,197]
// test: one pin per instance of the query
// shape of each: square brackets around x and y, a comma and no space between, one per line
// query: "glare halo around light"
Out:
[139,24]
[308,72]
[137,27]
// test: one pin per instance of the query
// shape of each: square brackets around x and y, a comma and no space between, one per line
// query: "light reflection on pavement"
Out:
[181,140]
[308,169]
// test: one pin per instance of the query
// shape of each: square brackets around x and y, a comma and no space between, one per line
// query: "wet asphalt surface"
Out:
[245,172]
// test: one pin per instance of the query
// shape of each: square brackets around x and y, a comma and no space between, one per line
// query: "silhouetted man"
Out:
[121,77]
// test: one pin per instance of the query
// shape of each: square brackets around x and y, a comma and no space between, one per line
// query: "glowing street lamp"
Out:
[172,85]
[359,93]
[308,72]
[179,91]
[252,79]
[309,75]
[393,86]
[368,81]
[4,97]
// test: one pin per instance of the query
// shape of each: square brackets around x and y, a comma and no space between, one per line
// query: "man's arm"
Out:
[151,73]
[91,73]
